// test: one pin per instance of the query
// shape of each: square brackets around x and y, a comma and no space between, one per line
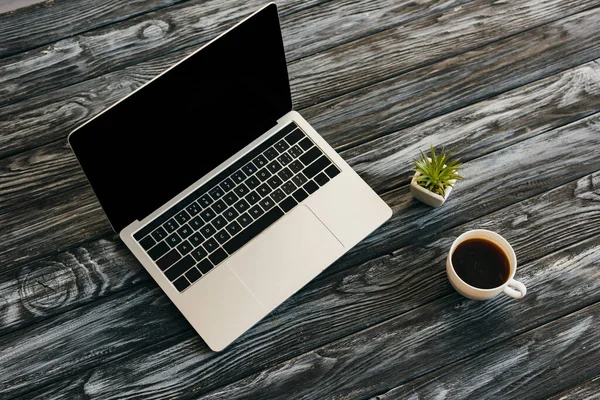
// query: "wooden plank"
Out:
[329,308]
[33,123]
[531,366]
[384,163]
[49,21]
[106,49]
[437,89]
[430,336]
[589,390]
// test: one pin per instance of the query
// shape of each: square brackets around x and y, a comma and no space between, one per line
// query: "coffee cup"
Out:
[481,272]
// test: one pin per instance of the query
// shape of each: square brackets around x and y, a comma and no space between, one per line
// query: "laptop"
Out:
[226,195]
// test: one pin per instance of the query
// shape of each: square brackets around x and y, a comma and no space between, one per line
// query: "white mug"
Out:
[511,287]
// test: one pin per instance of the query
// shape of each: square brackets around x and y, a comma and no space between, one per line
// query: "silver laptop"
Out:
[228,197]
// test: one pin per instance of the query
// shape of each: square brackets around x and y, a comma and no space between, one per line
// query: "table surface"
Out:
[511,87]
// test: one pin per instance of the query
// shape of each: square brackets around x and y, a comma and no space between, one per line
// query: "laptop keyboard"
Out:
[202,230]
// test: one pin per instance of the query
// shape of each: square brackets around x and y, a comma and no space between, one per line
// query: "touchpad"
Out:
[286,256]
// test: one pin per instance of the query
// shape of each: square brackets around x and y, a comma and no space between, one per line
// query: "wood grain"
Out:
[430,336]
[531,366]
[430,91]
[53,115]
[332,307]
[50,21]
[156,33]
[589,390]
[384,163]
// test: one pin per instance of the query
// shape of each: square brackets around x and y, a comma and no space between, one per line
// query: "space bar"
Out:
[252,230]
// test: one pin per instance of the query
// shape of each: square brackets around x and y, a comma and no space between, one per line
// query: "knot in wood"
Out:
[44,289]
[155,29]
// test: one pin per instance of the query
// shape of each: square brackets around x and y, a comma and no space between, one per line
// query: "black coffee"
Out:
[481,263]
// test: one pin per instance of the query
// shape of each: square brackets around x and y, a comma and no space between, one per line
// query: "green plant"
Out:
[437,172]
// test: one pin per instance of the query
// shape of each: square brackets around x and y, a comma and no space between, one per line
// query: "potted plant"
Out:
[434,177]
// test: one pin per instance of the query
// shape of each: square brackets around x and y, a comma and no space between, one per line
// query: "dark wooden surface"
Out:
[512,87]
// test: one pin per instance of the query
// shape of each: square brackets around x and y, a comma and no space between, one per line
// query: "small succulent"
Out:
[437,172]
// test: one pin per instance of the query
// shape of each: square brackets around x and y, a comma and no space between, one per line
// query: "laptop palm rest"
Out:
[286,257]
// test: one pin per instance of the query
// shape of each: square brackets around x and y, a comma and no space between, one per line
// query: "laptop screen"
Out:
[158,141]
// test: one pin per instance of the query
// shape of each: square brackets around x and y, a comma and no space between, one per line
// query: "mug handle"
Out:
[515,289]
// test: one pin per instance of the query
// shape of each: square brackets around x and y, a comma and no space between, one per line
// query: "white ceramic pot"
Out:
[426,196]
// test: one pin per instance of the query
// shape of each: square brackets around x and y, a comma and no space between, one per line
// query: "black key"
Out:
[196,239]
[193,275]
[256,211]
[207,214]
[267,203]
[321,179]
[244,219]
[311,187]
[230,214]
[310,156]
[159,234]
[207,230]
[252,182]
[288,204]
[184,231]
[199,253]
[249,169]
[241,190]
[284,159]
[282,146]
[218,256]
[185,247]
[182,217]
[332,171]
[158,251]
[296,166]
[168,259]
[274,166]
[285,174]
[173,240]
[238,177]
[147,242]
[263,190]
[241,206]
[305,144]
[252,198]
[230,198]
[196,223]
[219,206]
[233,228]
[299,179]
[193,209]
[205,266]
[219,222]
[278,195]
[222,236]
[252,230]
[316,167]
[270,153]
[294,136]
[288,187]
[171,225]
[180,267]
[300,195]
[295,151]
[205,200]
[263,174]
[260,161]
[227,185]
[216,192]
[274,181]
[181,283]
[210,245]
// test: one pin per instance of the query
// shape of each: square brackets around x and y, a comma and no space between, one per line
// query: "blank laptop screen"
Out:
[149,147]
